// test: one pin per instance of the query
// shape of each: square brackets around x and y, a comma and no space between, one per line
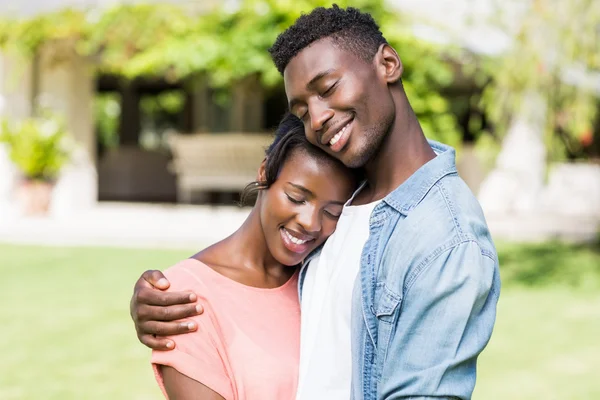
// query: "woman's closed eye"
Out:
[333,214]
[295,200]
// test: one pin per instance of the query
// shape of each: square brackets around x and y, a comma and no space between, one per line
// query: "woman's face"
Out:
[301,208]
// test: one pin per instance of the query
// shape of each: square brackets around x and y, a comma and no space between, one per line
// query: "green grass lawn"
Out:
[66,332]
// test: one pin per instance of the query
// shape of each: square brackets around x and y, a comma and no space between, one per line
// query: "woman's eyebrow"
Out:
[301,188]
[311,194]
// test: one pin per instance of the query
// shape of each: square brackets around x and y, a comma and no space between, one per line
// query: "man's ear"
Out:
[262,171]
[389,63]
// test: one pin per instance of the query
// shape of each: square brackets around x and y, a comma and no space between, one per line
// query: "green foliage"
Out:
[425,75]
[160,113]
[554,39]
[27,35]
[226,45]
[37,146]
[107,110]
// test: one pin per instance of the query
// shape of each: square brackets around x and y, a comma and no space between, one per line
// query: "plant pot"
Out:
[34,197]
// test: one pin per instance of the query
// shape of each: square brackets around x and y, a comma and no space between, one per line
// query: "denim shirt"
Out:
[424,303]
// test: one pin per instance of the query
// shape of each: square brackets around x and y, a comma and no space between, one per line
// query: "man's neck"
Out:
[404,150]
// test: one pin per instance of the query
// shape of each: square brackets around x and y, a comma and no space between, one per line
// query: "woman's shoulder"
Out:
[218,259]
[189,274]
[198,265]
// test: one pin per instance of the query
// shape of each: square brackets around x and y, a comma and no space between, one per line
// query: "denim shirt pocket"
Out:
[386,308]
[386,303]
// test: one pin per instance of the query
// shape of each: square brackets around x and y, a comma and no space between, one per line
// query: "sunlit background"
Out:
[129,128]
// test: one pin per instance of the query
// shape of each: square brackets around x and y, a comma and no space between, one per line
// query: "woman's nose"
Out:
[310,220]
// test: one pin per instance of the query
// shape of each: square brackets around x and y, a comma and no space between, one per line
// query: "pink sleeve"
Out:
[197,354]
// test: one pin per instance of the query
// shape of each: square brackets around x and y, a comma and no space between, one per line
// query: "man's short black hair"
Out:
[350,28]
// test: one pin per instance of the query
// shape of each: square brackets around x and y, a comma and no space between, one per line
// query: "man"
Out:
[402,298]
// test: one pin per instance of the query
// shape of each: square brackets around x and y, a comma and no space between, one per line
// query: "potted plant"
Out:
[38,148]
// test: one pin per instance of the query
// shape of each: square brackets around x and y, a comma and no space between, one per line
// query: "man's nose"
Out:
[319,113]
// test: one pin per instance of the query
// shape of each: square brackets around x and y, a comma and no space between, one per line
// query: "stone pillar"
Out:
[66,84]
[247,107]
[515,185]
[16,87]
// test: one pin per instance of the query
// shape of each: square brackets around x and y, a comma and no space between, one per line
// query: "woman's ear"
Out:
[262,171]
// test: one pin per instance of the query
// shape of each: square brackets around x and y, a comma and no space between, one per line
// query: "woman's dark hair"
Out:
[289,137]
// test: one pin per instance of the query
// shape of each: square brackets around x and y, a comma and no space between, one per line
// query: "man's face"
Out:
[344,102]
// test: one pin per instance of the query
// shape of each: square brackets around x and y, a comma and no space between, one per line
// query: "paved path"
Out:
[193,227]
[129,225]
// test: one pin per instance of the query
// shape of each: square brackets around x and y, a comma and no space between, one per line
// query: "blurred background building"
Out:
[156,95]
[115,115]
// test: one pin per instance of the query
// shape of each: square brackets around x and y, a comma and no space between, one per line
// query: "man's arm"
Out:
[181,387]
[446,319]
[157,313]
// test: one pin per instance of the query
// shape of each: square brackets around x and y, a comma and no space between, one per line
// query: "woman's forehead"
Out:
[304,164]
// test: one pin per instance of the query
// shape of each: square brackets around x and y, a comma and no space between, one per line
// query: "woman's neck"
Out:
[251,243]
[245,257]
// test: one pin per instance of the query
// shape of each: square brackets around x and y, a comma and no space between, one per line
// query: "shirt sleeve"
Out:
[197,355]
[445,321]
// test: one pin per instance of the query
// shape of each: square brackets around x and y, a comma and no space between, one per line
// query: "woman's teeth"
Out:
[337,137]
[294,239]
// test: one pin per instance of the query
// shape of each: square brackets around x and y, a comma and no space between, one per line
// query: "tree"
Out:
[554,54]
[225,45]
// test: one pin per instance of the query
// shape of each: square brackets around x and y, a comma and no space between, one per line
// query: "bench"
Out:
[219,162]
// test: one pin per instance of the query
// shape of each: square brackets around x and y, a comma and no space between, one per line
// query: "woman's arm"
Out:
[181,387]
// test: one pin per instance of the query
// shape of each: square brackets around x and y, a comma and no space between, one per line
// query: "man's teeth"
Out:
[294,239]
[337,137]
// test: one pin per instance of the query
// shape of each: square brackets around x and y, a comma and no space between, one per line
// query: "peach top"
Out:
[248,339]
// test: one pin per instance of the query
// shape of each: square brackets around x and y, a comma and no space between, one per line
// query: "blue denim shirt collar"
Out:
[406,196]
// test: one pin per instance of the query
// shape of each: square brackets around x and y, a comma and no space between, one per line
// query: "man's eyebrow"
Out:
[311,84]
[318,77]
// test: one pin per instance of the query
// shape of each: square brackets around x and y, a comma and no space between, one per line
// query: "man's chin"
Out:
[354,159]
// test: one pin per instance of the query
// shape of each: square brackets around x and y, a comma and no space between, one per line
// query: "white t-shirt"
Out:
[325,350]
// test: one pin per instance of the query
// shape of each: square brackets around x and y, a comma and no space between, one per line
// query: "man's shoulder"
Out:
[447,216]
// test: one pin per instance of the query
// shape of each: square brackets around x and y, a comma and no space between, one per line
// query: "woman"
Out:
[248,338]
